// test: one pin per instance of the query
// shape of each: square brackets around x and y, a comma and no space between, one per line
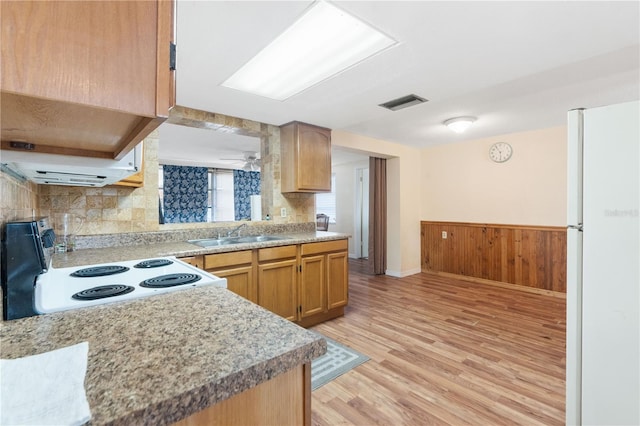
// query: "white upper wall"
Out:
[461,184]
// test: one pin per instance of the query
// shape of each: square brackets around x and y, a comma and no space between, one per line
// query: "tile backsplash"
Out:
[110,209]
[18,198]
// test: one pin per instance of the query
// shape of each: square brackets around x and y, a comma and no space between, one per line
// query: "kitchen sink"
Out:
[214,242]
[259,238]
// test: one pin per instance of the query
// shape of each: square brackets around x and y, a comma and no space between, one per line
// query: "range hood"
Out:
[53,169]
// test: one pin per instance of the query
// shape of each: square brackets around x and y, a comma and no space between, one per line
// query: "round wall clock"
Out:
[500,152]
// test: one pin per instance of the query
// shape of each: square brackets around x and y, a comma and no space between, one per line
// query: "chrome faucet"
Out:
[236,230]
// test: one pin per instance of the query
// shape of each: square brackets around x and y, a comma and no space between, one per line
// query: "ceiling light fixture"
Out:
[459,124]
[323,42]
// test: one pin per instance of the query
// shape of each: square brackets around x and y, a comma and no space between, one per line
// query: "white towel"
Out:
[45,389]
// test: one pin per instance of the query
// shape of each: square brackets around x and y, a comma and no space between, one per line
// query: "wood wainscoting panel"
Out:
[531,256]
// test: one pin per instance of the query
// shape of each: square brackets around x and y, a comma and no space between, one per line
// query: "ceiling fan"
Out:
[250,159]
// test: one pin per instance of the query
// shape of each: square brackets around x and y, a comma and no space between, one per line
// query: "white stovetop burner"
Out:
[55,288]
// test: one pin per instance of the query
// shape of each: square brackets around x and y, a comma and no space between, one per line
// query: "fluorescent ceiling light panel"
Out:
[323,42]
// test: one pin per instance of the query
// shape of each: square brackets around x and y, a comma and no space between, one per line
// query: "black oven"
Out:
[27,246]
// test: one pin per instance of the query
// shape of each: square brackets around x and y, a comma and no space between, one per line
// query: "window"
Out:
[220,198]
[221,202]
[326,202]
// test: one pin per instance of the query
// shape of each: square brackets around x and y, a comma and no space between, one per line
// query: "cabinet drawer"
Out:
[222,260]
[324,247]
[193,260]
[272,253]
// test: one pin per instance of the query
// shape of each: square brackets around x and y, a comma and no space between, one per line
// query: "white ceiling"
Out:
[516,66]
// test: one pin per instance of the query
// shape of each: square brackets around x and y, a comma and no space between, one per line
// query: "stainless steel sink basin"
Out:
[214,242]
[259,238]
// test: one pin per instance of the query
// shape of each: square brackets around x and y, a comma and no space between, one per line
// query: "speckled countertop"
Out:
[180,248]
[160,359]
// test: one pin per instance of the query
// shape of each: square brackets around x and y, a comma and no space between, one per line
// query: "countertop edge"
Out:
[179,249]
[290,240]
[191,402]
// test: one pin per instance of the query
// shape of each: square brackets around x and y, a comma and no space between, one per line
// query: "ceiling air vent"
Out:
[403,102]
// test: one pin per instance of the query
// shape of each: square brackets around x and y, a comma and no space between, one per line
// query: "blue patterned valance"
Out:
[185,194]
[244,185]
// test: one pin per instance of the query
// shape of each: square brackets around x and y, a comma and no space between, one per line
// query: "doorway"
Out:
[353,179]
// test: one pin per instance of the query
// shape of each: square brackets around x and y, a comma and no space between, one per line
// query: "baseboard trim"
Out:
[402,274]
[510,286]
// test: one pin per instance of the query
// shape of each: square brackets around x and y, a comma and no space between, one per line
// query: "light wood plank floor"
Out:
[446,351]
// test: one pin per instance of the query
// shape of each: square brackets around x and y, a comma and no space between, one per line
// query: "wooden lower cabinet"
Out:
[337,279]
[324,281]
[238,268]
[277,281]
[313,291]
[306,283]
[197,261]
[283,400]
[240,280]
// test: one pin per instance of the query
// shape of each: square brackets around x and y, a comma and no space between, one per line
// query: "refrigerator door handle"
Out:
[578,227]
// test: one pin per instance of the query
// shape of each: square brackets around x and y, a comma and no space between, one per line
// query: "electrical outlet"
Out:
[283,212]
[444,235]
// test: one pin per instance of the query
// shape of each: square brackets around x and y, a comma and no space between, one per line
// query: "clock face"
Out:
[500,152]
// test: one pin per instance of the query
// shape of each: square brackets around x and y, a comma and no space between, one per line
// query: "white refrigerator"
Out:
[603,266]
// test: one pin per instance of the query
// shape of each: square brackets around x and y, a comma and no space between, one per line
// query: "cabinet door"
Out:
[314,158]
[239,280]
[277,288]
[305,158]
[312,288]
[337,279]
[91,53]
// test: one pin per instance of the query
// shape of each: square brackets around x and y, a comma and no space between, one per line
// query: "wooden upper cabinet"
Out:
[306,158]
[88,78]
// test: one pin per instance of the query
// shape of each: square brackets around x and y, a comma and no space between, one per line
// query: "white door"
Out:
[361,220]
